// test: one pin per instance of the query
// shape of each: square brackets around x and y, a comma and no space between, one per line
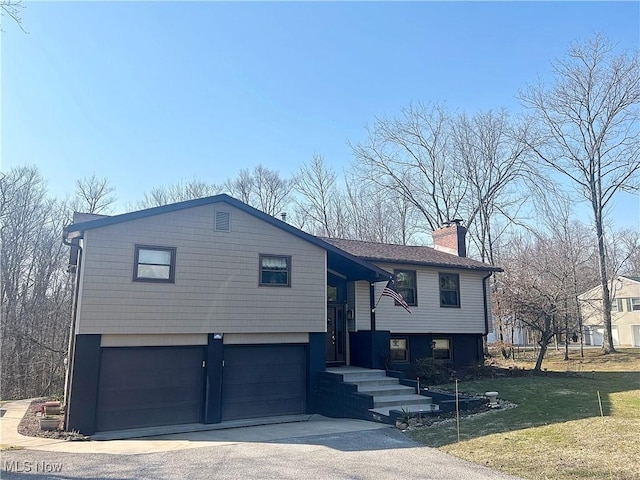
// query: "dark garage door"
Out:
[142,387]
[263,381]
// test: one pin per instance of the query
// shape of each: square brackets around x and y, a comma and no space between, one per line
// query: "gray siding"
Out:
[216,282]
[428,316]
[363,309]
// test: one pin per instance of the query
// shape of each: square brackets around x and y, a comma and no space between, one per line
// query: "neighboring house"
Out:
[514,333]
[210,310]
[625,312]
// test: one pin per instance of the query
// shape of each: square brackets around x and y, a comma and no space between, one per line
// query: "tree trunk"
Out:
[545,339]
[607,342]
[543,350]
[566,341]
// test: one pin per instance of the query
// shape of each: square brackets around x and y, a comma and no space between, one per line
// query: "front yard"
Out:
[556,431]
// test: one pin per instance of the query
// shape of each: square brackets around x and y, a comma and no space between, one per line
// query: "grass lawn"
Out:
[556,431]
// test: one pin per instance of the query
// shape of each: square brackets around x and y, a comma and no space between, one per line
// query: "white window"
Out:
[634,304]
[617,305]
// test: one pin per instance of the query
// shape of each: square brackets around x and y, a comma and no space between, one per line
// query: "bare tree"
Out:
[261,188]
[241,187]
[527,293]
[452,166]
[11,9]
[177,192]
[589,131]
[318,197]
[411,155]
[543,273]
[94,195]
[34,287]
[492,156]
[272,192]
[378,215]
[628,242]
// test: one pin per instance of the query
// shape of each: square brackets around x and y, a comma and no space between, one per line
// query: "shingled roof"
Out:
[384,252]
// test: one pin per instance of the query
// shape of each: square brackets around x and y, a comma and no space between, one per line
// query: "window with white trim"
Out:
[617,305]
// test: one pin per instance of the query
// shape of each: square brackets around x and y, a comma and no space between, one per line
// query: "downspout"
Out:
[72,328]
[486,316]
[486,307]
[372,307]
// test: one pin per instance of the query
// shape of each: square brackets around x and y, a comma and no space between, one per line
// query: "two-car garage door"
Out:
[152,386]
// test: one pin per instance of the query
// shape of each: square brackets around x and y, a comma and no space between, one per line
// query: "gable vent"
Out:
[222,223]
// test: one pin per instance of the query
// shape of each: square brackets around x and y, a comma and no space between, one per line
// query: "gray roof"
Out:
[635,279]
[80,217]
[384,252]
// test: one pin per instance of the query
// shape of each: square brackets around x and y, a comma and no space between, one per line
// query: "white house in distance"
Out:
[209,310]
[625,312]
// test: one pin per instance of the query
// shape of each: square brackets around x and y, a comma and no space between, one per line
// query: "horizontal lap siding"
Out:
[363,308]
[626,321]
[428,316]
[216,279]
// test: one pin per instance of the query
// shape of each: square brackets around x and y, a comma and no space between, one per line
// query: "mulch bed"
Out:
[30,426]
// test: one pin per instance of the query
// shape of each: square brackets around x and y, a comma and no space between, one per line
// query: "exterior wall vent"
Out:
[222,222]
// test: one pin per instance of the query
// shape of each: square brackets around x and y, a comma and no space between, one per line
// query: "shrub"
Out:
[430,371]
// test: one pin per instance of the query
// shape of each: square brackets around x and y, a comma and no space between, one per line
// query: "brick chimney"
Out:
[450,238]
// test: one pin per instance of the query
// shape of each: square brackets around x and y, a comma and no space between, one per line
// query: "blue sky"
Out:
[149,93]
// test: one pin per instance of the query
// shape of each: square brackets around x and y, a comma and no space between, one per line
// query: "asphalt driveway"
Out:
[383,453]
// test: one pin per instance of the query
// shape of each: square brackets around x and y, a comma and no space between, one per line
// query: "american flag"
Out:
[390,291]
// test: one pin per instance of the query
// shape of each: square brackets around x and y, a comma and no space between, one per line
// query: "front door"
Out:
[335,334]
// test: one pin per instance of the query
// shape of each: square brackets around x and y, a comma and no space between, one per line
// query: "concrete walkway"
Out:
[261,430]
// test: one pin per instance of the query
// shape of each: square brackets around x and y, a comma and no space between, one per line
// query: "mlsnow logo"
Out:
[16,466]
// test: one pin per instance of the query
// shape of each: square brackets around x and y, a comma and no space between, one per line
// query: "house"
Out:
[625,312]
[209,310]
[446,293]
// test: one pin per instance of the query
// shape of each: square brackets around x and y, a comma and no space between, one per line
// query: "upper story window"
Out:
[275,270]
[616,305]
[406,286]
[154,264]
[634,304]
[450,290]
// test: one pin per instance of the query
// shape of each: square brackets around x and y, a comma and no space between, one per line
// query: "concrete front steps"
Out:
[389,396]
